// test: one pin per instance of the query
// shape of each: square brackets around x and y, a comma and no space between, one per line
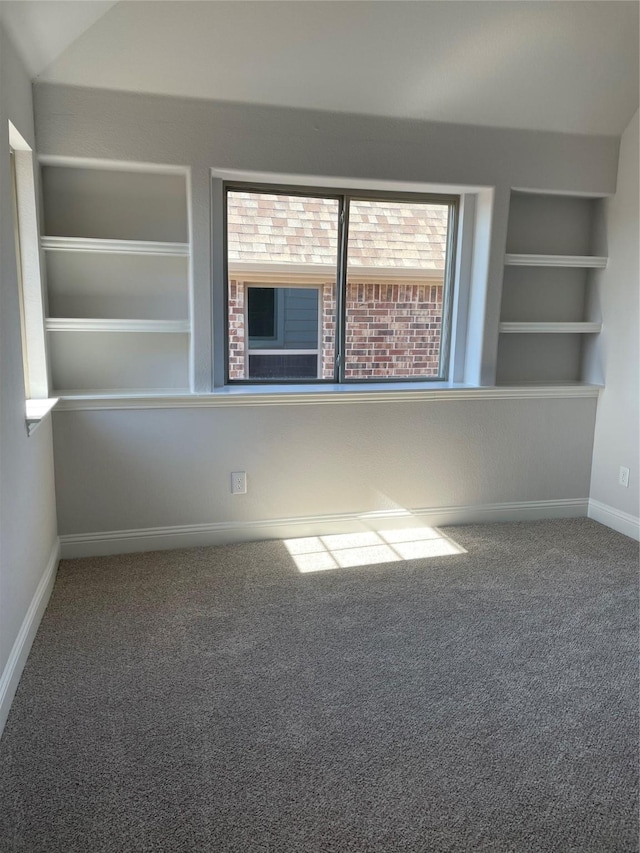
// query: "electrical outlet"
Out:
[239,483]
[623,477]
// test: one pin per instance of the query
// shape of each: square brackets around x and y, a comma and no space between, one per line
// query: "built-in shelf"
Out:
[121,247]
[550,328]
[549,314]
[582,261]
[117,260]
[75,324]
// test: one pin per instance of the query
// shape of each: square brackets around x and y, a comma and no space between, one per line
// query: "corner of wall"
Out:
[10,677]
[28,529]
[617,352]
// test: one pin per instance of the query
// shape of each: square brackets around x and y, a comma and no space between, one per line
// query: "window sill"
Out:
[36,411]
[314,395]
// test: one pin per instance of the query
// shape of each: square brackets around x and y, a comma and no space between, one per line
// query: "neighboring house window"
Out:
[262,315]
[282,332]
[338,288]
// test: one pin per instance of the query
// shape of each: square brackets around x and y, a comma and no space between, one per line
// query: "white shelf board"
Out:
[74,324]
[550,328]
[316,395]
[590,261]
[37,410]
[122,247]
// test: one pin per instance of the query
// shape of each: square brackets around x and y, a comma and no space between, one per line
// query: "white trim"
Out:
[591,261]
[550,328]
[36,411]
[75,324]
[315,395]
[20,651]
[623,522]
[28,266]
[221,533]
[39,408]
[121,247]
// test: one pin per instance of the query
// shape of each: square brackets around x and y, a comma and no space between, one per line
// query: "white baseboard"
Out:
[623,522]
[22,646]
[227,532]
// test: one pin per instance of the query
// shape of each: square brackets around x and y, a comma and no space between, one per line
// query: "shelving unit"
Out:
[550,313]
[117,263]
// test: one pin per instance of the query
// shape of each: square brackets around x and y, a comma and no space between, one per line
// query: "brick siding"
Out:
[236,330]
[393,329]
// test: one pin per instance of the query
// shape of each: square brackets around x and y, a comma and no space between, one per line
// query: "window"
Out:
[338,287]
[282,332]
[262,316]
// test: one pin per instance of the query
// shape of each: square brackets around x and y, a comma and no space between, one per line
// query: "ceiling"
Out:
[43,30]
[562,66]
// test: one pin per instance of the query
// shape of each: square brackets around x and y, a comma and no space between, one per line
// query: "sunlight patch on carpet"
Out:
[347,550]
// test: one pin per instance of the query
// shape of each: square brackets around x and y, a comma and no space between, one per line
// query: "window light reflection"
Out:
[347,550]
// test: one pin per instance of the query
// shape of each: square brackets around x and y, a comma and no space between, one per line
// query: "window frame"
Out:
[344,196]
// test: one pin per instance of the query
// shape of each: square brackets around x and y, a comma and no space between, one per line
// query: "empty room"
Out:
[319,426]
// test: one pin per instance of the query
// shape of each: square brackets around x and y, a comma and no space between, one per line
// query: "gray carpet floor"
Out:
[216,699]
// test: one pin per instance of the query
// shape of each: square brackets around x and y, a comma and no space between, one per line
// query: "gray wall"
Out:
[79,122]
[138,469]
[118,470]
[617,436]
[27,507]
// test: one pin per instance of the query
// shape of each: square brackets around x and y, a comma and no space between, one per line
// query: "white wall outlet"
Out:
[623,477]
[239,483]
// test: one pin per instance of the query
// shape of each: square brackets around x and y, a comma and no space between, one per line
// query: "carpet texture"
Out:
[216,699]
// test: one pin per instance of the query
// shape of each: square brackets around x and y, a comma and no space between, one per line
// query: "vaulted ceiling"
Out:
[563,66]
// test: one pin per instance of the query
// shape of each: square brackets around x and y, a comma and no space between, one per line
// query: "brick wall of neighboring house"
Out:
[393,329]
[328,329]
[236,330]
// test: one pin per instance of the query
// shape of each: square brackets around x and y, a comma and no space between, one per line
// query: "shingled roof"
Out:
[291,229]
